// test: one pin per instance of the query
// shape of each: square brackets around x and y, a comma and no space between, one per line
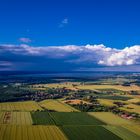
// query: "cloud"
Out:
[67,57]
[127,56]
[63,22]
[25,40]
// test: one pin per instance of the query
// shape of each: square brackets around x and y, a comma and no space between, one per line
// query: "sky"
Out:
[70,35]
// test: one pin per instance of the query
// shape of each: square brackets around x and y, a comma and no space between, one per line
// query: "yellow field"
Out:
[110,118]
[134,128]
[122,132]
[106,102]
[131,108]
[20,106]
[93,87]
[15,118]
[68,85]
[117,87]
[135,100]
[15,132]
[76,101]
[57,106]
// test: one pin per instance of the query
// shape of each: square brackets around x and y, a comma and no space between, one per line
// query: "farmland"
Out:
[110,118]
[106,102]
[122,98]
[123,133]
[88,133]
[15,118]
[16,132]
[74,102]
[20,106]
[134,128]
[75,118]
[70,109]
[56,106]
[93,87]
[131,108]
[42,118]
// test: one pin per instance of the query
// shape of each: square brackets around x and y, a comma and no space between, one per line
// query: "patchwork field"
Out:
[125,134]
[16,132]
[57,106]
[131,108]
[110,118]
[117,87]
[15,118]
[75,118]
[93,87]
[41,118]
[88,133]
[20,106]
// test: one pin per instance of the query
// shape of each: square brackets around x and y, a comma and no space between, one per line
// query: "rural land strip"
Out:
[55,120]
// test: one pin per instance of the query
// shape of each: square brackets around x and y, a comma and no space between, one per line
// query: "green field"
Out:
[122,132]
[75,118]
[88,133]
[122,98]
[41,118]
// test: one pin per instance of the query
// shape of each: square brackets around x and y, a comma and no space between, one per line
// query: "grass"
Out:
[122,132]
[110,118]
[75,118]
[15,132]
[41,118]
[20,106]
[56,105]
[88,133]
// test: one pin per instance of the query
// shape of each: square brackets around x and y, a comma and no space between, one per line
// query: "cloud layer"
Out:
[66,57]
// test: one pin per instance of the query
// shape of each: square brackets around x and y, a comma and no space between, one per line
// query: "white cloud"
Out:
[93,54]
[25,40]
[126,56]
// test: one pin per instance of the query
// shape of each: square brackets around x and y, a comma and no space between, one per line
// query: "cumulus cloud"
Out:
[25,40]
[126,56]
[69,56]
